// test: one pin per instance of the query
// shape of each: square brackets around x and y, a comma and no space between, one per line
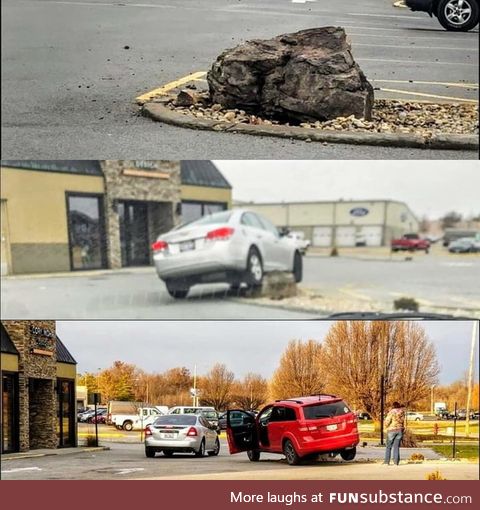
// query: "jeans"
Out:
[393,441]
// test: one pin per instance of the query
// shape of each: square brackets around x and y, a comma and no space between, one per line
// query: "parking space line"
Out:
[413,47]
[416,62]
[424,94]
[199,76]
[160,91]
[410,38]
[444,83]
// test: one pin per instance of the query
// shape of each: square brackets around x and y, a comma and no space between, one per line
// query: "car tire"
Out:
[254,274]
[253,455]
[201,451]
[417,419]
[128,426]
[216,450]
[446,9]
[348,454]
[290,453]
[149,452]
[297,267]
[168,453]
[177,289]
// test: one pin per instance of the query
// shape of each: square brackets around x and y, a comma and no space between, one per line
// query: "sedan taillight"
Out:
[159,246]
[220,234]
[192,431]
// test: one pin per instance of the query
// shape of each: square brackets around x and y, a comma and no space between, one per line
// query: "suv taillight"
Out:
[220,234]
[148,431]
[159,246]
[192,431]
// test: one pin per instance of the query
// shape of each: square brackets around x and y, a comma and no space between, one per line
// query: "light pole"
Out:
[432,400]
[470,378]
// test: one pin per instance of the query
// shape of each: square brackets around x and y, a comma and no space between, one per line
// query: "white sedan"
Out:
[235,246]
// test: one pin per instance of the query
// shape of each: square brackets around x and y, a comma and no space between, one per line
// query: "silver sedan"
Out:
[236,246]
[187,433]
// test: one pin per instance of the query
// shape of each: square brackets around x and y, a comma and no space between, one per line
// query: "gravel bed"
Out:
[389,116]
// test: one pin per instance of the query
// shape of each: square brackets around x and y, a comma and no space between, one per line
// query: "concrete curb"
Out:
[79,274]
[160,113]
[33,455]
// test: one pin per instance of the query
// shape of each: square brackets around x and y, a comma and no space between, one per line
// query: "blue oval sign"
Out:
[359,211]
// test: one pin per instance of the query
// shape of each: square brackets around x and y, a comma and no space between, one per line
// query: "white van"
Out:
[208,413]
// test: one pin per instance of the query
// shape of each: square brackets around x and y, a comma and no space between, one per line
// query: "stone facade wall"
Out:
[36,383]
[121,185]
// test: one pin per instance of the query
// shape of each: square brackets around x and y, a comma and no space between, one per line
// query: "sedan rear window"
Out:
[222,217]
[325,410]
[176,419]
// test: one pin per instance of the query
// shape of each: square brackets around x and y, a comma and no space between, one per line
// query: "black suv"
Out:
[454,15]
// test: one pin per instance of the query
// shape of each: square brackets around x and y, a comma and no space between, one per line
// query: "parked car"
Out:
[235,246]
[101,417]
[364,416]
[454,15]
[190,409]
[464,245]
[299,428]
[413,416]
[300,242]
[410,242]
[186,433]
[88,415]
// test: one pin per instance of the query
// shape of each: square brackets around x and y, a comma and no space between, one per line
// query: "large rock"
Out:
[305,76]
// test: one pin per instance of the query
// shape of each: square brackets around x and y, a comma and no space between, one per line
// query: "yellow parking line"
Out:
[423,94]
[160,91]
[448,84]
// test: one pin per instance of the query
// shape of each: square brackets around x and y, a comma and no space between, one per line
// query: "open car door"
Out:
[241,431]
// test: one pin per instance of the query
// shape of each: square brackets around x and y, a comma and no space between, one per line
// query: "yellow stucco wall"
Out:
[66,371]
[36,202]
[207,194]
[9,362]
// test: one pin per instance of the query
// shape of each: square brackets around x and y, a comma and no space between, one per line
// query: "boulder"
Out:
[302,77]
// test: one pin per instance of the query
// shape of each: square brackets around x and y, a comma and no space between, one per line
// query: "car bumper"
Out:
[311,445]
[219,256]
[420,5]
[184,445]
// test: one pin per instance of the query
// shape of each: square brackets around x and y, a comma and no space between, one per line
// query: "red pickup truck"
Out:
[410,242]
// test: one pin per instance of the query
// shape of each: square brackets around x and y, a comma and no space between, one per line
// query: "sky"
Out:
[244,346]
[430,188]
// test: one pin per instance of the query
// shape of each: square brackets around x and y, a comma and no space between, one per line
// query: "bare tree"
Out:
[356,354]
[299,372]
[251,392]
[216,387]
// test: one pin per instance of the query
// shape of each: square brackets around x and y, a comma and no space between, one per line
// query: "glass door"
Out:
[134,238]
[86,231]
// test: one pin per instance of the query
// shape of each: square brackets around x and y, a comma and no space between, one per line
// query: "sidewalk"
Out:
[80,274]
[46,452]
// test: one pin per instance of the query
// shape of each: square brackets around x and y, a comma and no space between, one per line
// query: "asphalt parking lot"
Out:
[127,461]
[69,83]
[438,281]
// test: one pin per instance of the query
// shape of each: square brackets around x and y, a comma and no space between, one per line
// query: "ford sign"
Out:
[359,211]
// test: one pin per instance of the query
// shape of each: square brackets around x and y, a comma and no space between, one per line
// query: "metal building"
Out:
[342,223]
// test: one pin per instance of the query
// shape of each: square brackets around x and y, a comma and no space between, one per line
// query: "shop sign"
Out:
[359,211]
[146,168]
[43,339]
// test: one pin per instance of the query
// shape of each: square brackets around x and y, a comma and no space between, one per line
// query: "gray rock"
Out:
[304,76]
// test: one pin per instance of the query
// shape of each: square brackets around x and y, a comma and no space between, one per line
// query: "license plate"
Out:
[187,246]
[168,435]
[332,427]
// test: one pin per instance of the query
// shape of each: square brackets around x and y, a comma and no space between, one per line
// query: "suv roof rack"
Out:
[319,395]
[289,400]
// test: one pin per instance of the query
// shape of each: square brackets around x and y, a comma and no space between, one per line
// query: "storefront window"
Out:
[86,231]
[9,413]
[192,211]
[134,245]
[65,413]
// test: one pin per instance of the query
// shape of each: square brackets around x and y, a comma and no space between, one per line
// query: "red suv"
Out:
[297,427]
